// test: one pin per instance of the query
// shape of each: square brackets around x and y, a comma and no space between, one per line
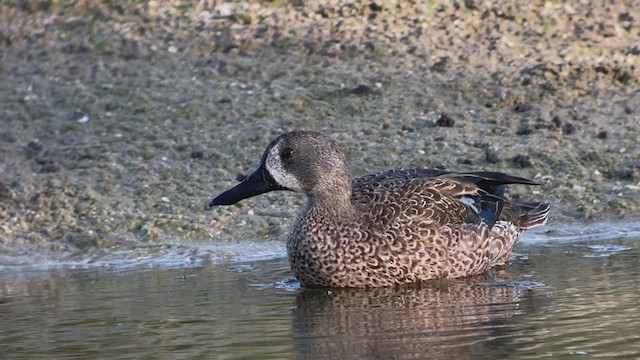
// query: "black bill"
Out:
[259,182]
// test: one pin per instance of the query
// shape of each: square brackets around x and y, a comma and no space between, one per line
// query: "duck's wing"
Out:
[433,197]
[523,215]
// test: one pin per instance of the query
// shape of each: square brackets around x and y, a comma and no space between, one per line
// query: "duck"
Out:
[388,228]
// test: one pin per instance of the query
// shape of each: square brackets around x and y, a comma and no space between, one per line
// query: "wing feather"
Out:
[437,197]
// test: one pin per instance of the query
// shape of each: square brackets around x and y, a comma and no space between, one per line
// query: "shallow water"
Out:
[563,296]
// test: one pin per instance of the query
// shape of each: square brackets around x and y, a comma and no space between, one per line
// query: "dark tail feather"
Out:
[494,182]
[493,203]
[525,215]
[488,178]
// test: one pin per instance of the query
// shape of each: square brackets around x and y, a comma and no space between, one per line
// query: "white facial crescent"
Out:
[276,169]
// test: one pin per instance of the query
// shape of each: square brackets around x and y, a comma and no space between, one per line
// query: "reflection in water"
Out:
[439,320]
[110,313]
[556,300]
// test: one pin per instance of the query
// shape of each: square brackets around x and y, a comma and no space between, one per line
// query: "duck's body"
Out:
[395,227]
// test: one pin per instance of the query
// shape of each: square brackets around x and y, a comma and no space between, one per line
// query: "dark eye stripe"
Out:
[287,153]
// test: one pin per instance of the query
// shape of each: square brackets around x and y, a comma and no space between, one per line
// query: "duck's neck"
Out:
[332,204]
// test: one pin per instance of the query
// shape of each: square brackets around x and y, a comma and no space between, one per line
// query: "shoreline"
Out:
[197,253]
[121,122]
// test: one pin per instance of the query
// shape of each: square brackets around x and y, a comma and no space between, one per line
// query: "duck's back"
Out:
[409,198]
[430,196]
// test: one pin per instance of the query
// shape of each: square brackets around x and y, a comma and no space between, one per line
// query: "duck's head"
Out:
[301,161]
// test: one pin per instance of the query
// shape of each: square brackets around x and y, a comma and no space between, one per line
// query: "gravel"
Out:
[119,120]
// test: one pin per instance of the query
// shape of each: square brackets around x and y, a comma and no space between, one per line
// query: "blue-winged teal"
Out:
[394,227]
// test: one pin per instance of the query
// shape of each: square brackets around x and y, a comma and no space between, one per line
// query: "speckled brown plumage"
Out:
[394,227]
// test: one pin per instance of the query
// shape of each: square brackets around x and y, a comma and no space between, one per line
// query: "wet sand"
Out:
[119,122]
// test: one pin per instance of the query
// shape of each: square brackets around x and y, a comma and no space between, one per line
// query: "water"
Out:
[564,296]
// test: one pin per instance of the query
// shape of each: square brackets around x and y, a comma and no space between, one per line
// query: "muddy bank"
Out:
[119,122]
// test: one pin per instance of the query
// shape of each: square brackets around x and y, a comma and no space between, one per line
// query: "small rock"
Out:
[601,69]
[408,128]
[602,134]
[470,4]
[522,160]
[624,174]
[361,90]
[227,49]
[440,66]
[625,16]
[375,7]
[481,145]
[606,30]
[196,154]
[568,128]
[75,115]
[520,108]
[444,120]
[110,106]
[524,129]
[623,77]
[33,148]
[491,156]
[5,192]
[83,120]
[590,156]
[241,177]
[49,167]
[165,199]
[172,49]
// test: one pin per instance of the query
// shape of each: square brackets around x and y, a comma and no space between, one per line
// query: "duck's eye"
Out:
[287,153]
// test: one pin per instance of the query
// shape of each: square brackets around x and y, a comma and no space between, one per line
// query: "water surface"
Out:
[573,297]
